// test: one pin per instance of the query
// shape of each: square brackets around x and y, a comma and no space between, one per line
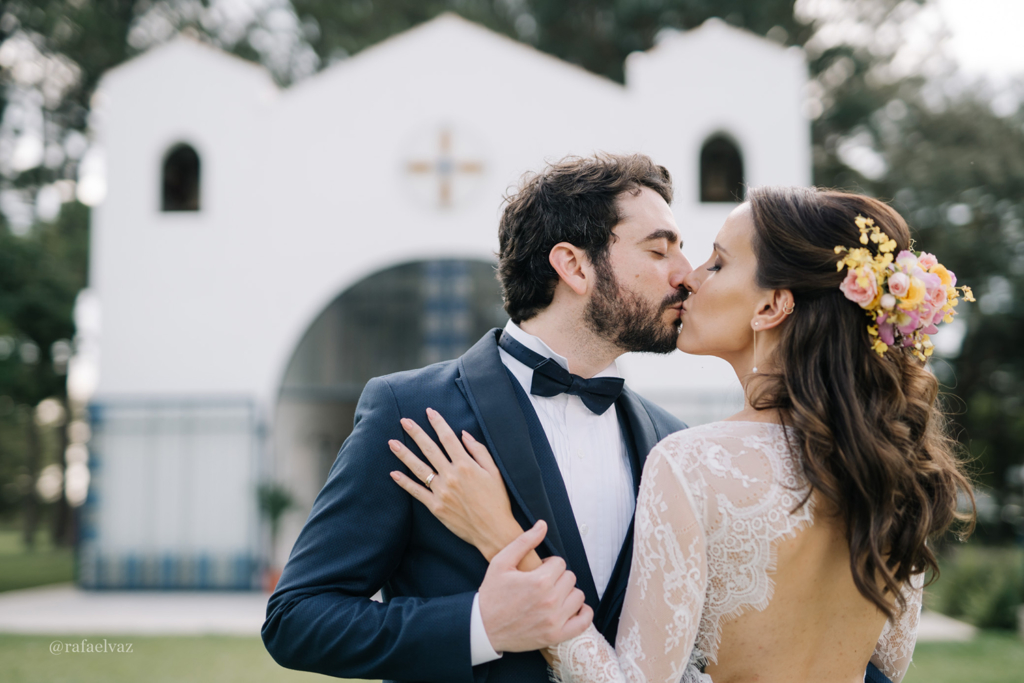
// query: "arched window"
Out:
[721,171]
[181,179]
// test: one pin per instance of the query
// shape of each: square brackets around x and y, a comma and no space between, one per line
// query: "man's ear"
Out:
[772,309]
[573,267]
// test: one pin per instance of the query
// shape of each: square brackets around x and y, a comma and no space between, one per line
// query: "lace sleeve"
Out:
[896,644]
[664,599]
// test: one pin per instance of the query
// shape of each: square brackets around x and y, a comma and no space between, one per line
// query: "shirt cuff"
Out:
[480,648]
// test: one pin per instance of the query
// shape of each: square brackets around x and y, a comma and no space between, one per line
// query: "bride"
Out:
[788,542]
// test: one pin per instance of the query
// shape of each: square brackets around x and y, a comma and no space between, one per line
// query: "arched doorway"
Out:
[400,318]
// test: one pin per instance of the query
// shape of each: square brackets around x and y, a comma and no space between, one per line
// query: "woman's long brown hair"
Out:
[870,429]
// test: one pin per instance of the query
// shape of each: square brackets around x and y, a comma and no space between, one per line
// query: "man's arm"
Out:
[321,617]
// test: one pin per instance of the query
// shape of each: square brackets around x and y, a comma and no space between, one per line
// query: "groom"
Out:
[591,267]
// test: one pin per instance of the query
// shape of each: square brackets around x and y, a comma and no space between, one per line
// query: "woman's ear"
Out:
[775,307]
[573,266]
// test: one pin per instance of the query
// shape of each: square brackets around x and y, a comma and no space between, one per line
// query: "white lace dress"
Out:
[714,502]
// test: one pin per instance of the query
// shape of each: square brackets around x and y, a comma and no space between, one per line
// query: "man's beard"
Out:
[623,318]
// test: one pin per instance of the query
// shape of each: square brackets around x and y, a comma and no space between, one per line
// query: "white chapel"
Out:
[262,252]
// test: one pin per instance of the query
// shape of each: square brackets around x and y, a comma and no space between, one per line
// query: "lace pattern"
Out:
[896,644]
[714,503]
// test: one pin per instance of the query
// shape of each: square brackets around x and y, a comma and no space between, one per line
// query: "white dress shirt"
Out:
[591,454]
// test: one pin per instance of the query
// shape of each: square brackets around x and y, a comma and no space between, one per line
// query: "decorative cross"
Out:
[445,167]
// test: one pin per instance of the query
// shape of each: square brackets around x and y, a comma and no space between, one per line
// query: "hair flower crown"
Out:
[906,295]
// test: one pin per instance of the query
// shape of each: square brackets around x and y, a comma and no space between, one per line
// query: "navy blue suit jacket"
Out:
[366,534]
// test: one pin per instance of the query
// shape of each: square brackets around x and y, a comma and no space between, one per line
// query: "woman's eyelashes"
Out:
[716,267]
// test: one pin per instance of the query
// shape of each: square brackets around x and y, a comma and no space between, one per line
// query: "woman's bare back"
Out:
[732,575]
[818,627]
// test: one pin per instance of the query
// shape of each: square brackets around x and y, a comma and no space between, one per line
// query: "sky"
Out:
[986,36]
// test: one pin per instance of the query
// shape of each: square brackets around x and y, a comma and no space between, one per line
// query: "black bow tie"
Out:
[551,379]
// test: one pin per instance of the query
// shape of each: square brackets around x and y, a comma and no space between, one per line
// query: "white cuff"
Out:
[480,650]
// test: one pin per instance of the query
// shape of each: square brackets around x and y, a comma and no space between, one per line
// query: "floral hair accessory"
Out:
[906,295]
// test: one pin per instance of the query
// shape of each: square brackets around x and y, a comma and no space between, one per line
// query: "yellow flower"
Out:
[943,274]
[915,294]
[879,347]
[968,294]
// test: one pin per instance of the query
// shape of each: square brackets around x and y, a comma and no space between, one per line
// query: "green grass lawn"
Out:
[993,657]
[199,659]
[22,568]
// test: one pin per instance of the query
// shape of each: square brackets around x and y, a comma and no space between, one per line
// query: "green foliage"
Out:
[274,500]
[595,35]
[981,585]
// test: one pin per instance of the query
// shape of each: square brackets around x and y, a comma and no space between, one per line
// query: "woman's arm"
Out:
[895,647]
[466,493]
[667,577]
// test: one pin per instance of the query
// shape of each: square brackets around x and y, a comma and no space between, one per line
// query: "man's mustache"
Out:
[681,295]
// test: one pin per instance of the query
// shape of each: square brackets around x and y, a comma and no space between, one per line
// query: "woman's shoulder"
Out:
[729,449]
[722,433]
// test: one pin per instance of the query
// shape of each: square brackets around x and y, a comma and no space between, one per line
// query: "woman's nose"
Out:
[692,281]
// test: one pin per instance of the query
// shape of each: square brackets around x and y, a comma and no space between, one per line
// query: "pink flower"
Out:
[937,297]
[899,284]
[860,287]
[927,260]
[886,334]
[909,322]
[906,259]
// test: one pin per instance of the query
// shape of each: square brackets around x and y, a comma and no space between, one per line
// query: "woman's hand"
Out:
[466,492]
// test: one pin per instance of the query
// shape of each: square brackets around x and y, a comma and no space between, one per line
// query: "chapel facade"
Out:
[262,252]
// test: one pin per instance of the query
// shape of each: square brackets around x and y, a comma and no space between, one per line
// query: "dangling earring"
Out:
[755,347]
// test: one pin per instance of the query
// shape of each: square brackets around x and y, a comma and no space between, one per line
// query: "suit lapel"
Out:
[488,388]
[640,435]
[638,425]
[568,530]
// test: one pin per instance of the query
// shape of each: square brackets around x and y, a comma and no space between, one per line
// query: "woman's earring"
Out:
[788,310]
[755,347]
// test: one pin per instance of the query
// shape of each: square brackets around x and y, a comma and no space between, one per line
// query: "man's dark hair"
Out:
[574,201]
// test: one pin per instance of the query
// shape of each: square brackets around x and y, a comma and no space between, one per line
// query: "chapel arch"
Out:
[180,179]
[721,170]
[399,318]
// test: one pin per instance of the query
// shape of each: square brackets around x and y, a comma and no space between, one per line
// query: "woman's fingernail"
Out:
[467,435]
[393,445]
[394,475]
[431,412]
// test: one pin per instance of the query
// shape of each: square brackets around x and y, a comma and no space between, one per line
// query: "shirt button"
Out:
[584,529]
[579,453]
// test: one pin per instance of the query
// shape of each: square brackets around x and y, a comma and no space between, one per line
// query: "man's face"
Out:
[636,302]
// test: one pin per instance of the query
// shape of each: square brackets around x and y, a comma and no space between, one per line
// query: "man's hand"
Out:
[524,611]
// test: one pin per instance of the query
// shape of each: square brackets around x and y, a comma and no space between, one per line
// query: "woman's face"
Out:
[717,317]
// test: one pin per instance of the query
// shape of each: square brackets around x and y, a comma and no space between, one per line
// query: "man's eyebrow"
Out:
[664,234]
[718,248]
